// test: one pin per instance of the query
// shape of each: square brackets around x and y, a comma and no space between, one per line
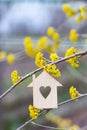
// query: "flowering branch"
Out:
[45,111]
[80,54]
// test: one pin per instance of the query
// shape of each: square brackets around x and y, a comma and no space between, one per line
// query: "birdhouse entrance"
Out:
[45,91]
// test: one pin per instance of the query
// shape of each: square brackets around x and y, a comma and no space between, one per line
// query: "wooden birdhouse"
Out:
[45,83]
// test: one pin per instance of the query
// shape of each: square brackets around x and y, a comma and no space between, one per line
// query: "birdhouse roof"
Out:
[46,79]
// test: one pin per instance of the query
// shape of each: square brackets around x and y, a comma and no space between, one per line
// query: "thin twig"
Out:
[45,111]
[20,81]
[82,35]
[66,21]
[29,121]
[37,70]
[48,127]
[70,100]
[47,60]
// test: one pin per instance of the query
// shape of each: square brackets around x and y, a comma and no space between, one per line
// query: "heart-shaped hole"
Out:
[45,91]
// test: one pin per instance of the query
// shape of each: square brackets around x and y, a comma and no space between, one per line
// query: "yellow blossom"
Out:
[78,19]
[56,73]
[55,36]
[42,42]
[59,121]
[28,43]
[27,40]
[82,15]
[56,44]
[39,61]
[10,58]
[73,36]
[52,69]
[2,55]
[51,48]
[69,12]
[29,48]
[50,31]
[73,92]
[34,112]
[66,7]
[73,61]
[74,127]
[54,56]
[83,9]
[15,76]
[81,18]
[32,52]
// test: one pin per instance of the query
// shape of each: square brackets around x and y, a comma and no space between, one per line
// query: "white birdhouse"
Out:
[45,83]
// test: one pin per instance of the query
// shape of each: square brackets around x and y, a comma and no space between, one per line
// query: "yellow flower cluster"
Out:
[2,55]
[42,43]
[54,56]
[73,36]
[53,34]
[69,12]
[73,61]
[73,92]
[39,61]
[15,76]
[34,112]
[51,48]
[29,48]
[52,69]
[10,58]
[50,31]
[59,121]
[74,127]
[82,16]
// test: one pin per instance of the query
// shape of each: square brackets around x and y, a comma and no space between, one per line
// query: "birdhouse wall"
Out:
[40,102]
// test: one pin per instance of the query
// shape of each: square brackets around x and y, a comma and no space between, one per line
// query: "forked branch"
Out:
[46,111]
[80,54]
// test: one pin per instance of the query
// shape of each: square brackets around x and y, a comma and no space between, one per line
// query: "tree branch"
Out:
[48,127]
[29,121]
[46,111]
[39,69]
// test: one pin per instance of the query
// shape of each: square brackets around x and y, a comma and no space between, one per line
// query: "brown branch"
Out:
[48,127]
[29,121]
[37,70]
[46,111]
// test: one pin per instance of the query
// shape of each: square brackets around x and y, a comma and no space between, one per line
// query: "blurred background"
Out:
[32,18]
